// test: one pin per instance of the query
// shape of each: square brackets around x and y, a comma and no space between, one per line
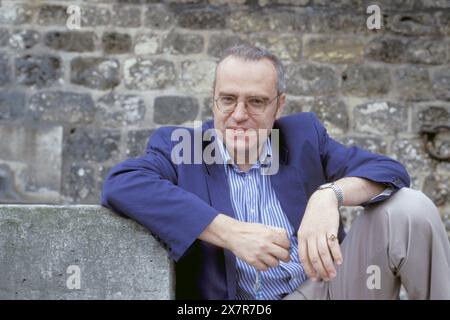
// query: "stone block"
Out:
[363,80]
[12,105]
[62,106]
[307,79]
[38,70]
[380,117]
[334,49]
[147,74]
[72,41]
[79,253]
[116,110]
[95,73]
[175,110]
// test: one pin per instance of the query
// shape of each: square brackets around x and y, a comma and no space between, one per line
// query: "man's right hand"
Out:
[259,245]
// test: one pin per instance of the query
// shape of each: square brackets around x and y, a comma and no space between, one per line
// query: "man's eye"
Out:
[256,102]
[227,100]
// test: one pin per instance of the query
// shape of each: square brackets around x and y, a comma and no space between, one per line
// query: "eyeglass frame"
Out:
[245,103]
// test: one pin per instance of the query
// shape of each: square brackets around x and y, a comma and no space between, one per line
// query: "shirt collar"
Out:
[264,159]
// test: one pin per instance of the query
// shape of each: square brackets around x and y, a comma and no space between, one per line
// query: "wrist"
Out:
[325,195]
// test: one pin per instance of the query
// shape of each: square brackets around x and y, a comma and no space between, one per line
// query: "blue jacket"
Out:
[176,202]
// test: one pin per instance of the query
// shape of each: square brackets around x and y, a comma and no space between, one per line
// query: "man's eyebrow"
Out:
[262,96]
[221,93]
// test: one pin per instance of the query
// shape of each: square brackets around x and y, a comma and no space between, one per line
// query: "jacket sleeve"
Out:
[145,189]
[341,161]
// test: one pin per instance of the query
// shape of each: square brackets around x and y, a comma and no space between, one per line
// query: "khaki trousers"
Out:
[401,240]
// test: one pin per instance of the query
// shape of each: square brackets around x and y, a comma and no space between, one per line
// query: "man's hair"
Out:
[252,53]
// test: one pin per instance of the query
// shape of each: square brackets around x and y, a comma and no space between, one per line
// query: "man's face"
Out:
[244,79]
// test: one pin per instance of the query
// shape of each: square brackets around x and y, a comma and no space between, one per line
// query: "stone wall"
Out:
[75,102]
[79,252]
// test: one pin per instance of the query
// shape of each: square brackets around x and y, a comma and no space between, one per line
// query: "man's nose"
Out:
[240,112]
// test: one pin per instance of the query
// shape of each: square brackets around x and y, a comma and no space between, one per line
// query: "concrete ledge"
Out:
[79,252]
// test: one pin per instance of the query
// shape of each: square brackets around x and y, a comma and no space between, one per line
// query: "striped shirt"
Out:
[254,200]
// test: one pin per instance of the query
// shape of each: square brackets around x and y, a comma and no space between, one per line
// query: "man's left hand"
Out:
[318,245]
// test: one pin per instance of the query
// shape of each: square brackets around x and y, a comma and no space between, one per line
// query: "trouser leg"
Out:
[399,241]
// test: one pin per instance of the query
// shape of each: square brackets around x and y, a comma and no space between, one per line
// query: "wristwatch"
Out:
[337,190]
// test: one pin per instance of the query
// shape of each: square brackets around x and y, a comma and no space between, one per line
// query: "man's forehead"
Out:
[257,71]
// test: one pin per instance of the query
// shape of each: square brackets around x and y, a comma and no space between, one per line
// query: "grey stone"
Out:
[327,22]
[115,258]
[218,42]
[417,24]
[79,184]
[5,69]
[95,73]
[411,153]
[23,39]
[204,17]
[380,117]
[95,145]
[61,106]
[137,141]
[343,4]
[126,16]
[394,6]
[402,50]
[334,49]
[371,144]
[72,41]
[147,43]
[413,83]
[52,15]
[363,80]
[197,76]
[29,153]
[263,3]
[93,16]
[437,188]
[16,13]
[146,74]
[115,43]
[207,110]
[293,105]
[443,18]
[440,4]
[286,47]
[310,80]
[332,113]
[115,110]
[8,192]
[175,110]
[39,71]
[12,105]
[430,113]
[427,51]
[159,17]
[4,37]
[387,49]
[179,43]
[441,83]
[267,20]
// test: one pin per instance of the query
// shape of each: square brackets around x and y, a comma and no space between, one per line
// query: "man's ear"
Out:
[280,105]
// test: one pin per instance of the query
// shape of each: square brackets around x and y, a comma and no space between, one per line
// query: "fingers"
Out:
[314,257]
[326,259]
[304,259]
[317,255]
[281,238]
[335,250]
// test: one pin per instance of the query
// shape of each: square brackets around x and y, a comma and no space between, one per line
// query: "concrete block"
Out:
[79,252]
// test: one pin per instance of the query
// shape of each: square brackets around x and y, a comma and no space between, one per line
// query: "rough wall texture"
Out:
[75,102]
[79,252]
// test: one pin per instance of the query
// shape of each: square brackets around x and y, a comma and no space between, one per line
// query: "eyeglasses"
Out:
[253,105]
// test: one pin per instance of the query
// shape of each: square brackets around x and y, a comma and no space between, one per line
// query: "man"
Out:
[237,233]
